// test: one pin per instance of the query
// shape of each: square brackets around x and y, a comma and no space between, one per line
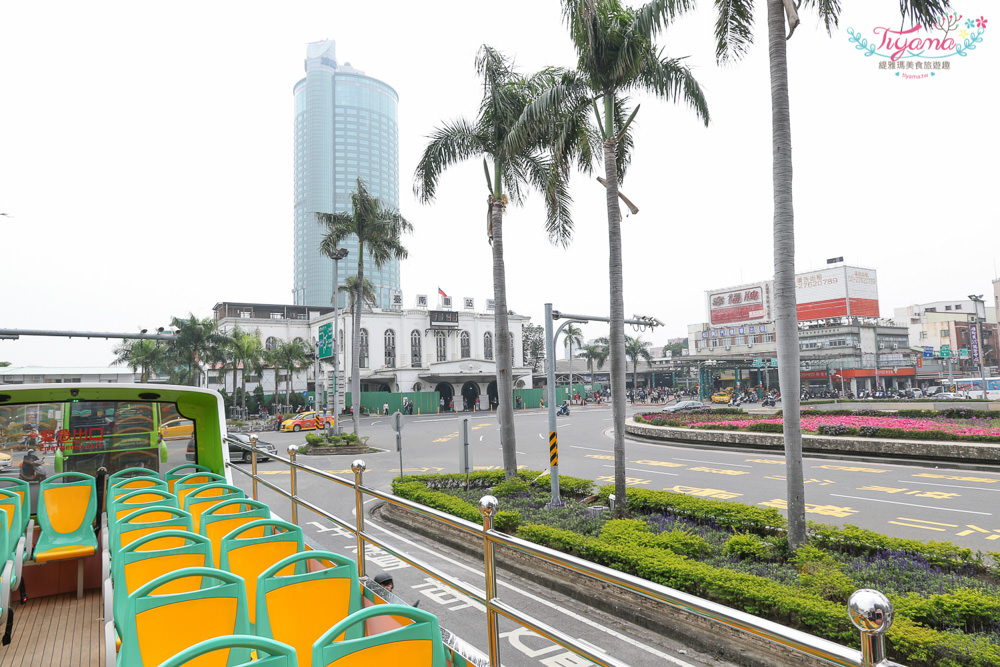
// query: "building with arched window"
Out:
[451,352]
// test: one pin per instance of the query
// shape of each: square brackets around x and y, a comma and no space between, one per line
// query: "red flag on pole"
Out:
[441,292]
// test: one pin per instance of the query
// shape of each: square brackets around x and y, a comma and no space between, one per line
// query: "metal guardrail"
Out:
[869,610]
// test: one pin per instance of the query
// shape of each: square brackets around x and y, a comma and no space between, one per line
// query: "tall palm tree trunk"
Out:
[786,317]
[355,341]
[616,333]
[505,383]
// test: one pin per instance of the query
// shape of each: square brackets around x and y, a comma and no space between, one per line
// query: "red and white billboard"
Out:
[740,305]
[840,291]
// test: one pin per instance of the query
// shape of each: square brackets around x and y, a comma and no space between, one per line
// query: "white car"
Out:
[948,396]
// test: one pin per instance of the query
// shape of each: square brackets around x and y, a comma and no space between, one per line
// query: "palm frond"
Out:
[449,144]
[924,12]
[733,29]
[829,11]
[549,177]
[658,14]
[672,80]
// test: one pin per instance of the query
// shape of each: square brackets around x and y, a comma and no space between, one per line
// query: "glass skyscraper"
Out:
[345,128]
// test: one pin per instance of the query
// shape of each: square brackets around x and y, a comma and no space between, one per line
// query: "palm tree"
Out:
[595,354]
[378,230]
[734,36]
[197,342]
[505,95]
[288,357]
[248,351]
[572,334]
[616,56]
[636,349]
[142,355]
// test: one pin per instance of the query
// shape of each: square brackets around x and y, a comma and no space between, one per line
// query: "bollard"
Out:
[358,466]
[488,508]
[253,463]
[871,612]
[292,451]
[611,502]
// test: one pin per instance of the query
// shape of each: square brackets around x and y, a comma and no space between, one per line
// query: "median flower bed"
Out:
[947,598]
[923,425]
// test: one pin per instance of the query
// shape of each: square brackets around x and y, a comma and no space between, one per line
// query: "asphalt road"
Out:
[923,502]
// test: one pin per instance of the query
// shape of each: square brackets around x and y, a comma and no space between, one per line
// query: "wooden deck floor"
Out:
[57,631]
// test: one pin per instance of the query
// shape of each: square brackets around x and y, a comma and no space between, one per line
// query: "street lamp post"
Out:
[338,255]
[977,329]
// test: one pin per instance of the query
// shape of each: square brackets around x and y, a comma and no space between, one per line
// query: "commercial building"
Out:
[345,129]
[843,343]
[944,335]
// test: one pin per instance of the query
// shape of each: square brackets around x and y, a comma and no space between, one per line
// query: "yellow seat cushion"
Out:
[66,552]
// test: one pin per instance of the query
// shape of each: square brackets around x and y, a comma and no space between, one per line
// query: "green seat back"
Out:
[200,499]
[23,489]
[174,474]
[158,626]
[124,505]
[219,520]
[128,473]
[122,486]
[269,652]
[154,555]
[418,643]
[246,552]
[297,608]
[146,521]
[188,483]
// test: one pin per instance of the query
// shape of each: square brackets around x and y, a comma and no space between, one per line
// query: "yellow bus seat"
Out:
[159,625]
[128,474]
[200,499]
[123,486]
[219,520]
[6,568]
[246,553]
[174,474]
[415,645]
[299,607]
[277,654]
[154,555]
[122,506]
[67,506]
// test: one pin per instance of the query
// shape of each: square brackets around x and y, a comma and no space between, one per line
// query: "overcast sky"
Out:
[146,163]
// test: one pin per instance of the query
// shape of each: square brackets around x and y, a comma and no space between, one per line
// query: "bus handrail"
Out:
[870,611]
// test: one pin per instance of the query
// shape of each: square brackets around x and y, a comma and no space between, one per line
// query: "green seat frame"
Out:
[122,506]
[128,473]
[10,502]
[67,506]
[6,567]
[298,608]
[393,647]
[188,483]
[244,551]
[159,626]
[174,474]
[278,654]
[154,555]
[219,520]
[202,498]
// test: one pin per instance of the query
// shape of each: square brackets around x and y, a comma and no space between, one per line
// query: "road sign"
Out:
[774,363]
[928,352]
[326,340]
[963,353]
[804,365]
[757,363]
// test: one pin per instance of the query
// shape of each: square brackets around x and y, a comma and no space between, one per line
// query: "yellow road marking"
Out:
[913,525]
[935,523]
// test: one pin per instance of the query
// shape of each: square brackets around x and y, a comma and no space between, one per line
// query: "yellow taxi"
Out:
[723,396]
[305,421]
[177,428]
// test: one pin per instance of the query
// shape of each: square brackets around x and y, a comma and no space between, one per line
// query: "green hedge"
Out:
[733,516]
[505,521]
[574,487]
[860,541]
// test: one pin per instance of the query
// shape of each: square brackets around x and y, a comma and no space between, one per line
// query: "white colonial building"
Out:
[449,351]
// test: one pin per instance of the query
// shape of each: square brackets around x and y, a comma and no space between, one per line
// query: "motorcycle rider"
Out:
[31,466]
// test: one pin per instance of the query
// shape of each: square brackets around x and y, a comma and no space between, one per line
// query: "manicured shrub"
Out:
[745,545]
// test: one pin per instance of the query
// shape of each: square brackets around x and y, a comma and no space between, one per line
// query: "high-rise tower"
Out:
[345,128]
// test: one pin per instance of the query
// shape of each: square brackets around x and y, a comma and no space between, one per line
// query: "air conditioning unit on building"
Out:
[881,346]
[857,346]
[728,347]
[819,344]
[895,346]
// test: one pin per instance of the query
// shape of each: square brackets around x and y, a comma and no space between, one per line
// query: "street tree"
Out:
[572,334]
[378,230]
[617,56]
[595,353]
[198,341]
[734,37]
[636,349]
[143,356]
[515,169]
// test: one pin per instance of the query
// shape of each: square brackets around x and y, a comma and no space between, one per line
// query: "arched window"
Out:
[466,347]
[363,349]
[390,348]
[441,342]
[415,355]
[487,345]
[272,343]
